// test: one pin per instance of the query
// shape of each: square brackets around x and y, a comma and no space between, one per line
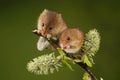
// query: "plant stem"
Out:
[85,67]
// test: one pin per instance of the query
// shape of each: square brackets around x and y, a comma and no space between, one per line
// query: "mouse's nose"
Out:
[42,32]
[64,45]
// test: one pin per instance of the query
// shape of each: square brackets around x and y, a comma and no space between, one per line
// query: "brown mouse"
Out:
[71,40]
[50,24]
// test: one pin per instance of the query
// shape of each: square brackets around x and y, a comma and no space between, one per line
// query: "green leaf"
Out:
[66,60]
[77,60]
[87,61]
[61,51]
[86,76]
[69,60]
[67,65]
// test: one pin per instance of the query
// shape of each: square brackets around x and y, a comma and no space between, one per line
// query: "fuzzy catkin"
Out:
[92,43]
[44,64]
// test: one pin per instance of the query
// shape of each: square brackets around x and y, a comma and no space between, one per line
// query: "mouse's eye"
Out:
[68,38]
[43,24]
[50,28]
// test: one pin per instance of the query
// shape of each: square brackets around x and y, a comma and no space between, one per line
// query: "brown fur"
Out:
[76,39]
[51,20]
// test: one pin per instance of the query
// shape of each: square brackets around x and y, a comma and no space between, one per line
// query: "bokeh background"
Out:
[18,44]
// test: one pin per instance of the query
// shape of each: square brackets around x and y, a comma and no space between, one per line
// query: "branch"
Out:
[85,67]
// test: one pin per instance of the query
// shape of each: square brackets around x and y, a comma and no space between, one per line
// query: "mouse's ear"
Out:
[60,22]
[81,35]
[59,16]
[79,32]
[60,19]
[45,10]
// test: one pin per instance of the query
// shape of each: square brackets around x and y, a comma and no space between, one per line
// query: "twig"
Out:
[85,67]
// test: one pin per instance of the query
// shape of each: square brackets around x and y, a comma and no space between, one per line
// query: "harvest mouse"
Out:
[50,24]
[71,40]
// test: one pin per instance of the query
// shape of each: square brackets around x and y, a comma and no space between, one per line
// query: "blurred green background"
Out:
[18,44]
